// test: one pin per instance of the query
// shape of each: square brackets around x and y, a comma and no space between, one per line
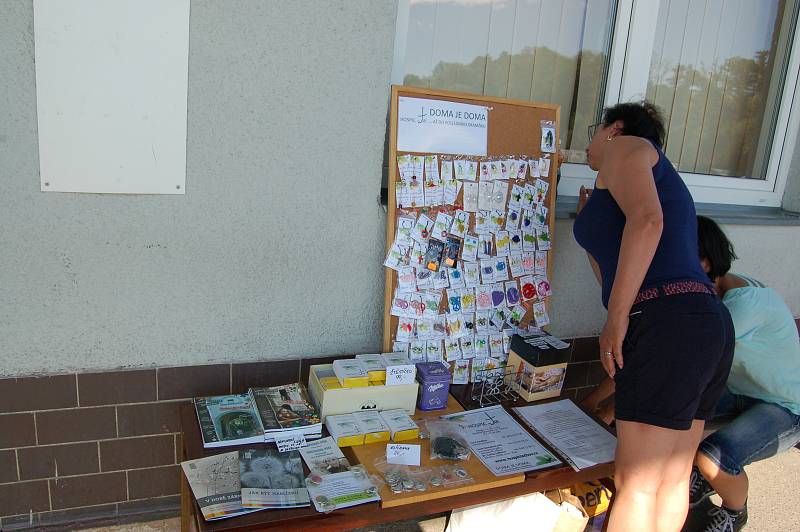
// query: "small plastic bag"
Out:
[446,441]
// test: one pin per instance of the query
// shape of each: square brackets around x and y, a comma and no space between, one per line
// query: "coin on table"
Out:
[436,481]
[460,473]
[420,486]
[408,484]
[396,488]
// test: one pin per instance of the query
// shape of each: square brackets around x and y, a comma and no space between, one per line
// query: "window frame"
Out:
[632,41]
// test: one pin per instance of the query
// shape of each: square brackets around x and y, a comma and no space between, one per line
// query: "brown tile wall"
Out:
[102,446]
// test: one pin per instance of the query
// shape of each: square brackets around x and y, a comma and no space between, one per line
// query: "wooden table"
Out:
[358,516]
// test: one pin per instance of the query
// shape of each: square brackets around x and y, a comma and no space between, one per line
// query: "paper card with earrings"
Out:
[500,269]
[542,286]
[416,193]
[540,265]
[398,257]
[400,347]
[422,229]
[468,300]
[498,295]
[424,278]
[526,224]
[541,188]
[405,330]
[451,190]
[529,197]
[529,262]
[509,169]
[497,220]
[549,140]
[528,242]
[417,255]
[416,352]
[461,371]
[465,170]
[424,329]
[455,325]
[401,304]
[483,297]
[467,344]
[471,191]
[402,195]
[515,241]
[485,197]
[470,246]
[540,316]
[484,175]
[482,322]
[522,170]
[515,199]
[433,183]
[406,279]
[481,345]
[543,238]
[533,166]
[540,216]
[487,270]
[513,217]
[482,222]
[544,166]
[434,351]
[499,195]
[405,225]
[460,223]
[515,265]
[454,301]
[485,246]
[452,349]
[456,276]
[441,226]
[495,170]
[527,288]
[472,272]
[502,243]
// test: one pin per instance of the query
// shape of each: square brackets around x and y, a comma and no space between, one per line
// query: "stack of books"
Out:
[258,416]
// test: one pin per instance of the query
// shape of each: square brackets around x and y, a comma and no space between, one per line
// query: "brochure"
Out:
[271,479]
[569,430]
[215,483]
[342,490]
[324,457]
[228,420]
[500,443]
[286,408]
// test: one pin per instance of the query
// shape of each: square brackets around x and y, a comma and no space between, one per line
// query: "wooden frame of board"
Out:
[513,129]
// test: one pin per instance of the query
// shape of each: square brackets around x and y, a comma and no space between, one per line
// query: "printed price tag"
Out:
[401,454]
[403,374]
[290,443]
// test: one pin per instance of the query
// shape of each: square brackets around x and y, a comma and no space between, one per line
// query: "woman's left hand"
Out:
[611,342]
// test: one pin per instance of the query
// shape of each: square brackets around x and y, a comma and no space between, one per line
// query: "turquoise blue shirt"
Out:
[766,361]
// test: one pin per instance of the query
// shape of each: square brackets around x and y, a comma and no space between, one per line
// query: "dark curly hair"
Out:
[638,119]
[715,247]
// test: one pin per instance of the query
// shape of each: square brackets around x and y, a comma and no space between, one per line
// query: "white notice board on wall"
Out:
[111,89]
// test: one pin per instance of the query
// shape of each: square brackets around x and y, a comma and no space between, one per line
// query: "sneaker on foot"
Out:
[724,520]
[699,488]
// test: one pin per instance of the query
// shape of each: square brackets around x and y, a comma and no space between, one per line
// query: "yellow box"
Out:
[376,368]
[347,400]
[372,425]
[332,385]
[345,430]
[400,424]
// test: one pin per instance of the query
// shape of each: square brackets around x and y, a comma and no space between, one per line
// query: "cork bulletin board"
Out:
[515,131]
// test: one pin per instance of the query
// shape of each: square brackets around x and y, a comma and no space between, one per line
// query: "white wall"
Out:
[275,250]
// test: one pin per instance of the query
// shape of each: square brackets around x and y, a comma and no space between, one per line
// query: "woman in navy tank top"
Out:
[668,340]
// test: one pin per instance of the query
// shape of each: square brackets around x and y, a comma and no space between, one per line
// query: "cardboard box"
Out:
[401,425]
[376,367]
[539,366]
[345,430]
[352,373]
[372,425]
[332,401]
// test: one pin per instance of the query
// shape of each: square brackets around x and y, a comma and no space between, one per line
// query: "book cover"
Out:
[271,479]
[215,484]
[287,406]
[228,420]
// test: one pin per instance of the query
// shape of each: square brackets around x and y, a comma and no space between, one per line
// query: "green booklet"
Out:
[228,420]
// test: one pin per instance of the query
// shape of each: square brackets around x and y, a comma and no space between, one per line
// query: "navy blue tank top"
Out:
[598,229]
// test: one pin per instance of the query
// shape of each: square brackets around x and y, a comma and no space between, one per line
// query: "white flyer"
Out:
[500,443]
[439,126]
[342,490]
[324,456]
[567,428]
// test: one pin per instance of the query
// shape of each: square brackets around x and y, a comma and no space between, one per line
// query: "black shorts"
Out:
[677,355]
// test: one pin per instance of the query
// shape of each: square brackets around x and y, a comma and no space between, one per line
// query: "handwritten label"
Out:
[400,374]
[290,443]
[402,454]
